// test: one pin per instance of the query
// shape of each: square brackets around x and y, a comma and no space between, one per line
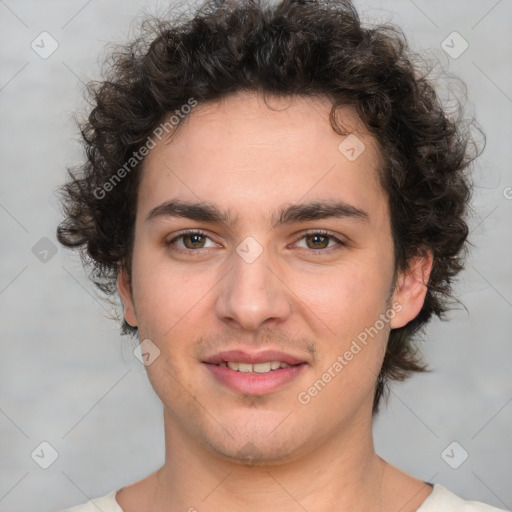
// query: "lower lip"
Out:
[255,383]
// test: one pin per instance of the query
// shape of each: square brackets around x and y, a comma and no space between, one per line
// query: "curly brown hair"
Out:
[295,47]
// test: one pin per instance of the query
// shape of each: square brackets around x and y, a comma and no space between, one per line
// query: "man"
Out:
[279,200]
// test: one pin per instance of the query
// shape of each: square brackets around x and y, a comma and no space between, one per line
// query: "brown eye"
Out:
[318,241]
[193,241]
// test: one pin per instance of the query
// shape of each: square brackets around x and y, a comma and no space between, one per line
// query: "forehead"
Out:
[243,151]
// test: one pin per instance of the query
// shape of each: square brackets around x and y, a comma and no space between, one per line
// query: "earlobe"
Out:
[124,290]
[411,289]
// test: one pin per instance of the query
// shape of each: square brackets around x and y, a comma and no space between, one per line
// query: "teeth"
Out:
[262,367]
[245,367]
[255,368]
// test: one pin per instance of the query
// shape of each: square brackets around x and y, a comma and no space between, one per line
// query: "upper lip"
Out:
[242,356]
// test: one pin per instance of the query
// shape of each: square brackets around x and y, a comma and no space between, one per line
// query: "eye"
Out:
[191,240]
[319,241]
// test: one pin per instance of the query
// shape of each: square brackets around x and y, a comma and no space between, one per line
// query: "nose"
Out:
[253,294]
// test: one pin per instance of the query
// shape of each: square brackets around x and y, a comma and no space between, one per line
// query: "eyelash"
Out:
[322,233]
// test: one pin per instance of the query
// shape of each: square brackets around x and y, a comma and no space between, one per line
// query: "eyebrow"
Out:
[207,212]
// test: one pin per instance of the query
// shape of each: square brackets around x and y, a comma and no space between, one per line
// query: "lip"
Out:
[255,383]
[263,356]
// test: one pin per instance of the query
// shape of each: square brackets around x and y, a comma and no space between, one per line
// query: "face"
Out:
[259,239]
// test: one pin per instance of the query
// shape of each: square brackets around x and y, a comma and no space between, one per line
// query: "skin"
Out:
[230,451]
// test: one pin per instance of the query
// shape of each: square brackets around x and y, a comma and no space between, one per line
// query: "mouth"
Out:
[254,374]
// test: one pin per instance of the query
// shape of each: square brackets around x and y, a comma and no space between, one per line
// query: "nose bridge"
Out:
[252,294]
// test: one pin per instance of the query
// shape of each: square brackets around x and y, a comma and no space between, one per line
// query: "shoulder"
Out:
[443,500]
[105,503]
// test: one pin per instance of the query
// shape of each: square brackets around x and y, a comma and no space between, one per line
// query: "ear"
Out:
[411,289]
[124,290]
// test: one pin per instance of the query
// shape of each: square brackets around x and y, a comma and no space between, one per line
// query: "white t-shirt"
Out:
[440,500]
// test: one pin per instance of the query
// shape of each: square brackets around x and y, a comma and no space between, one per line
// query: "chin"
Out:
[256,446]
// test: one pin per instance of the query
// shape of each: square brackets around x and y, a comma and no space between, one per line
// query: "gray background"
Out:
[68,378]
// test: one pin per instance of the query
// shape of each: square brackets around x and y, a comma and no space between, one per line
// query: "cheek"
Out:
[349,305]
[151,288]
[347,297]
[167,293]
